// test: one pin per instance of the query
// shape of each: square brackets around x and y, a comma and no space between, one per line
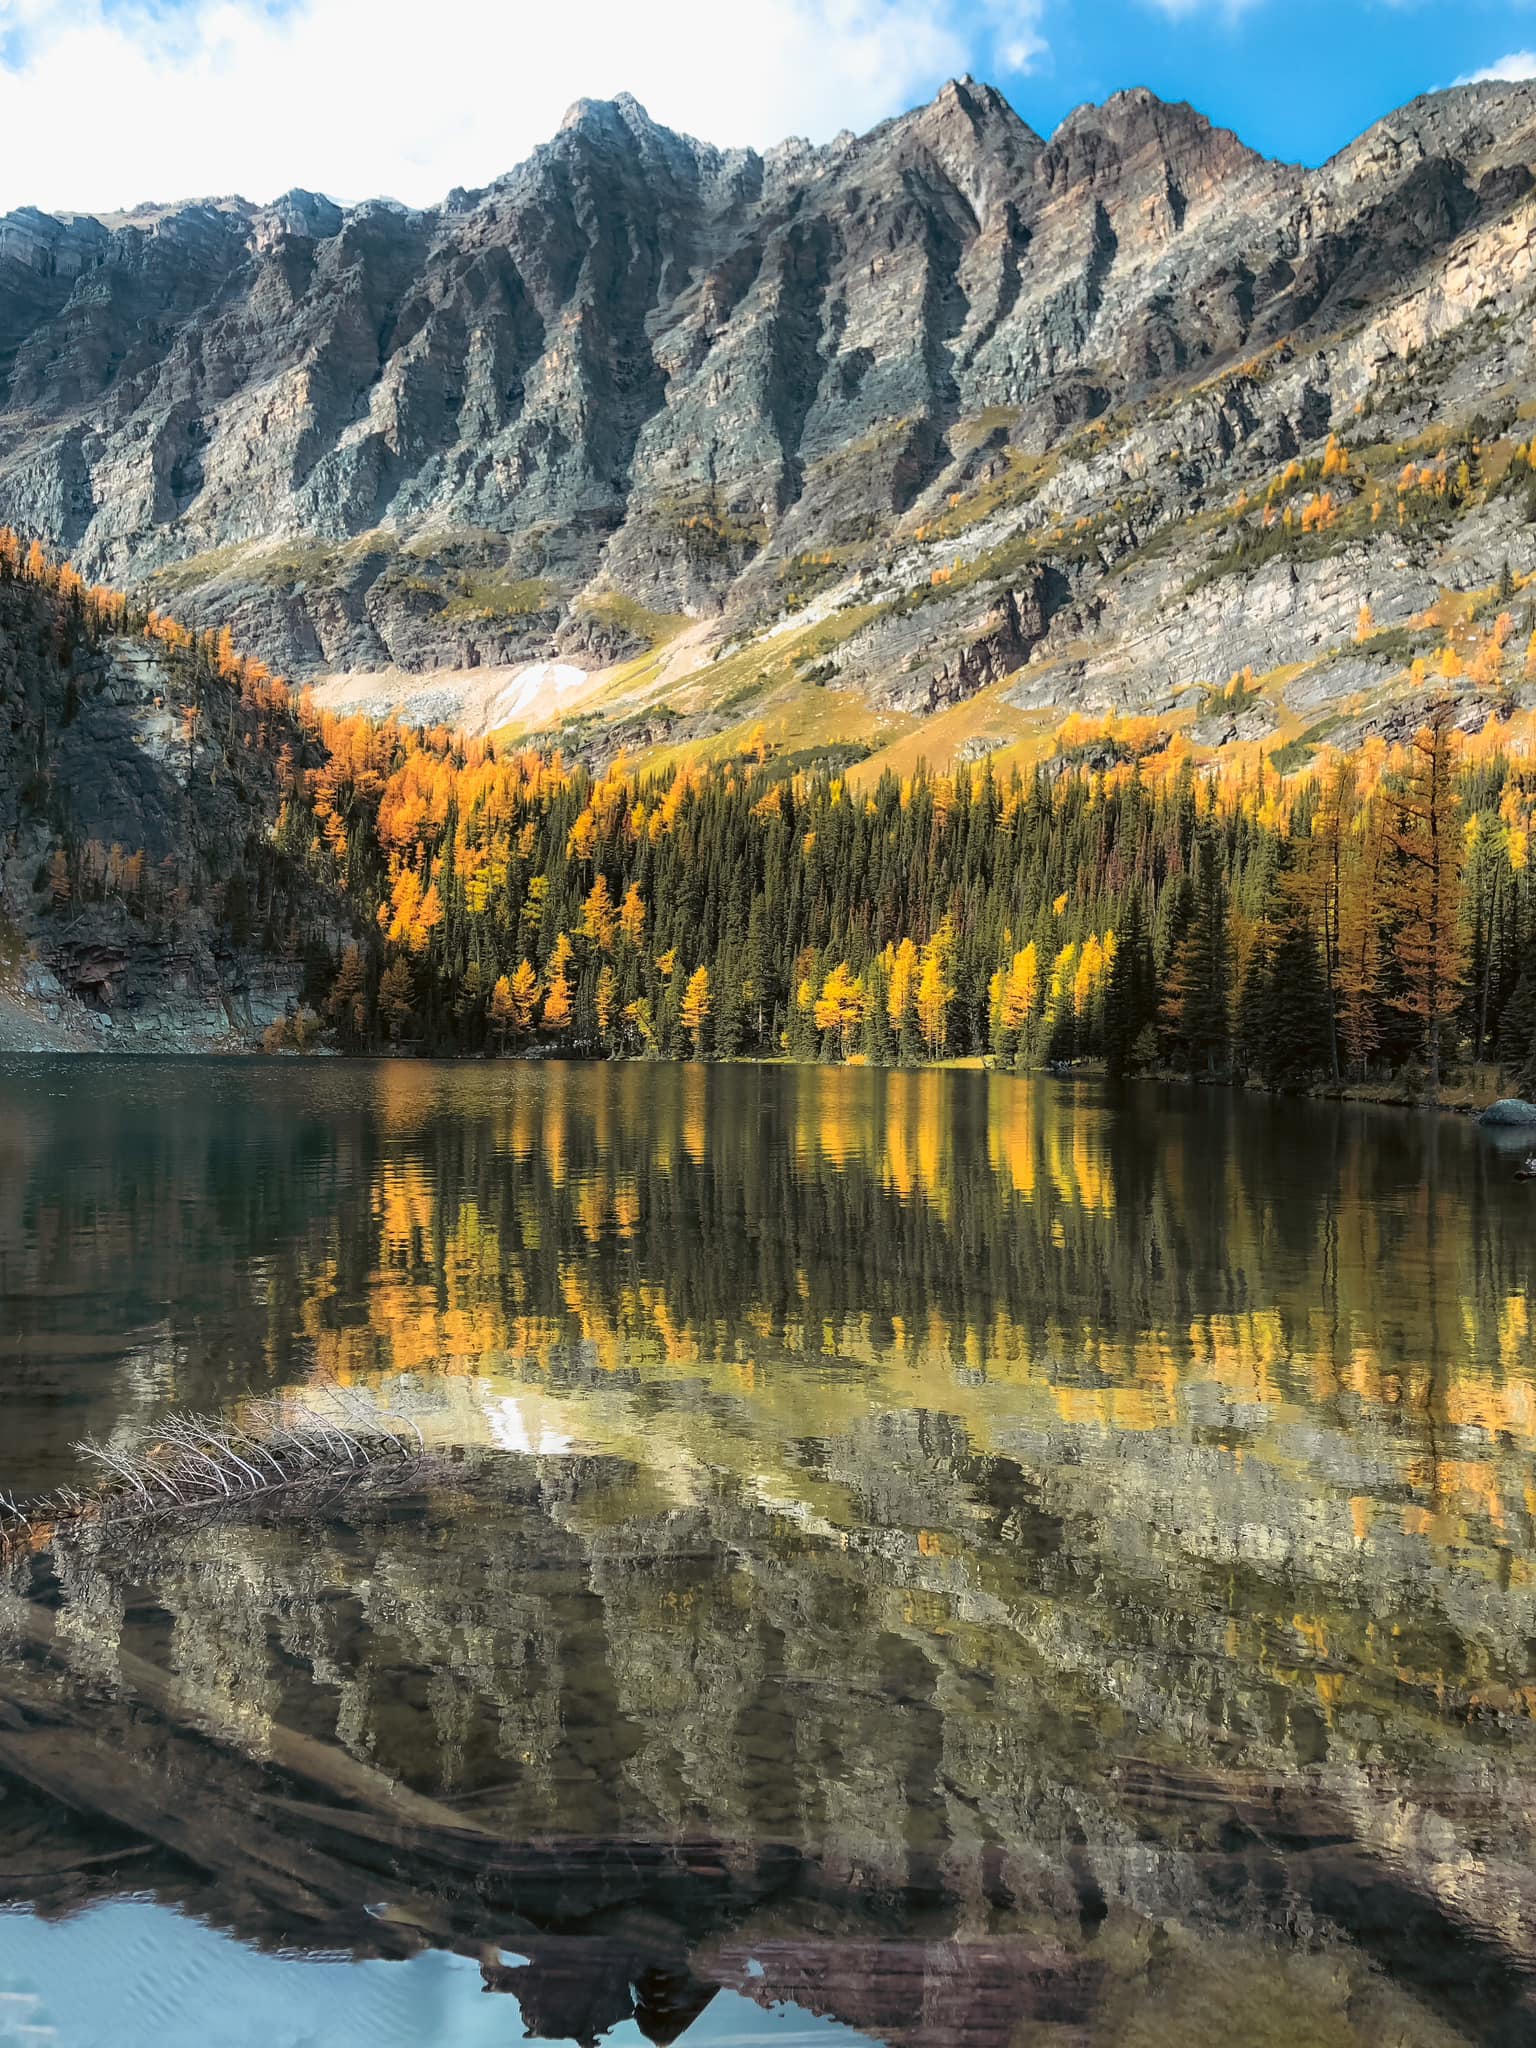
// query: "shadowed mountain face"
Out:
[640,376]
[166,778]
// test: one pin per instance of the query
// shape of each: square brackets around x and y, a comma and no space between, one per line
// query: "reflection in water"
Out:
[975,1558]
[62,1985]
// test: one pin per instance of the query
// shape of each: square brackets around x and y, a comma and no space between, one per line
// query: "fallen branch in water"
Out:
[198,1461]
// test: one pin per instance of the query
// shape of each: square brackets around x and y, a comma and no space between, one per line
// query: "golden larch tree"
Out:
[525,996]
[599,917]
[935,991]
[695,1009]
[902,969]
[556,1014]
[1020,988]
[632,916]
[840,1006]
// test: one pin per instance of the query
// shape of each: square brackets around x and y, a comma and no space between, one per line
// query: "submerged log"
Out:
[199,1463]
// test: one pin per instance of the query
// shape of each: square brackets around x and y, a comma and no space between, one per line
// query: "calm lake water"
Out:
[915,1558]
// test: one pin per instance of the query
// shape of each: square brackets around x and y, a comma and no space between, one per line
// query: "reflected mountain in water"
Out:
[983,1562]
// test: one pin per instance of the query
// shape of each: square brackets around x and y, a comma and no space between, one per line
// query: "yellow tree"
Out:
[840,1006]
[556,1015]
[501,1009]
[1088,974]
[638,1015]
[429,915]
[695,1010]
[632,916]
[532,912]
[525,996]
[399,918]
[1021,988]
[520,1001]
[1422,893]
[1063,974]
[599,918]
[935,991]
[902,969]
[582,841]
[1014,991]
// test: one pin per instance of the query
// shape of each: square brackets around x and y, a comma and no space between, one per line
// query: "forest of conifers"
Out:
[1368,917]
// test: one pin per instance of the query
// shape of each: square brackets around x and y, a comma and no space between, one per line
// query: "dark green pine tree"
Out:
[729,1014]
[1300,1046]
[1255,1019]
[1283,1004]
[876,1040]
[804,1039]
[1196,1010]
[761,980]
[1527,1074]
[1517,1023]
[1130,999]
[671,1039]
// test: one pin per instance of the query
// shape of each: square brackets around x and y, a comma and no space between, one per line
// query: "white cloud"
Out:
[104,103]
[1518,64]
[1016,41]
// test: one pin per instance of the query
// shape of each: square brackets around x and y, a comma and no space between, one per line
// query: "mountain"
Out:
[909,444]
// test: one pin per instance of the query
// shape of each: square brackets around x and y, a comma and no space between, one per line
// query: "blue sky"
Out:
[106,103]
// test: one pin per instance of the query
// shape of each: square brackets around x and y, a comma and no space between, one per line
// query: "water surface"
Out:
[941,1556]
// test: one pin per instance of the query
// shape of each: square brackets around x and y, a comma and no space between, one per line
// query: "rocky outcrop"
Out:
[142,891]
[1003,640]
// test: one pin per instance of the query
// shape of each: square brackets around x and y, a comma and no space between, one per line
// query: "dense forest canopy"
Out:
[1371,914]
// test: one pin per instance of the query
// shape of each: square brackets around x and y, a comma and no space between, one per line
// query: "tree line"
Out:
[1371,915]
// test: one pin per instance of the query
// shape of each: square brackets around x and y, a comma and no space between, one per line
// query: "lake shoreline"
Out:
[1458,1100]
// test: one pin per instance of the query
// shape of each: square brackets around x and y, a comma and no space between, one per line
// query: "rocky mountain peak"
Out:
[624,112]
[969,133]
[298,212]
[1135,133]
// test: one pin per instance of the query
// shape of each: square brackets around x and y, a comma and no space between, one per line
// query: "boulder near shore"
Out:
[1509,1111]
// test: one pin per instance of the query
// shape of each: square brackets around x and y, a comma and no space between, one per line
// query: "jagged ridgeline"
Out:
[910,444]
[1368,915]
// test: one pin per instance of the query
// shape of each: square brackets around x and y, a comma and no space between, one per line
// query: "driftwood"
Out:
[196,1463]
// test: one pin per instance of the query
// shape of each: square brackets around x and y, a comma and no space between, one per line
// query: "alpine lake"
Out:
[928,1558]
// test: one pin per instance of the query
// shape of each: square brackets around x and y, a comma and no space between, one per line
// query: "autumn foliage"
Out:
[1359,916]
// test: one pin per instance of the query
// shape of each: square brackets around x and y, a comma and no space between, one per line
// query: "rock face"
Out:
[141,892]
[642,373]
